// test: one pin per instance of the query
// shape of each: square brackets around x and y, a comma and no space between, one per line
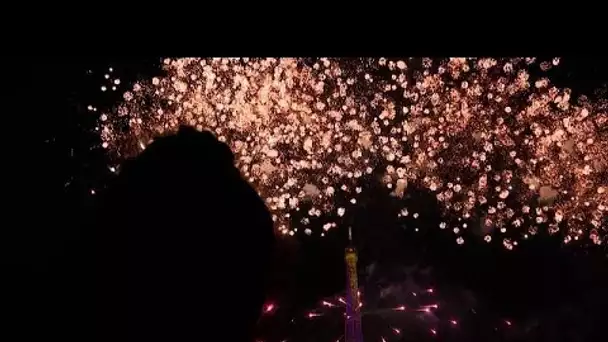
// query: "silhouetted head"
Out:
[186,244]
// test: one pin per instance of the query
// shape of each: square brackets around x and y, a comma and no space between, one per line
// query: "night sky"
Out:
[49,270]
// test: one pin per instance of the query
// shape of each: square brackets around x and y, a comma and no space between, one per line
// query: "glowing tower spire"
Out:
[353,305]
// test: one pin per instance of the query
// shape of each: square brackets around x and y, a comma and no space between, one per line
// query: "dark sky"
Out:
[43,249]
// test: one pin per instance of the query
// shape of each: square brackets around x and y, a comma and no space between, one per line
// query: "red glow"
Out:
[269,308]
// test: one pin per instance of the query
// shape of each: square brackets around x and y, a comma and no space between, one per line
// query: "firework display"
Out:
[297,132]
[399,310]
[498,149]
[481,136]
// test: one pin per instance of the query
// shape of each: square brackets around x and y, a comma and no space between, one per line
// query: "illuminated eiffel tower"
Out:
[353,314]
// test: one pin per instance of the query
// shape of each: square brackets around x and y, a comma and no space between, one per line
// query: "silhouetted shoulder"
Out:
[191,169]
[187,230]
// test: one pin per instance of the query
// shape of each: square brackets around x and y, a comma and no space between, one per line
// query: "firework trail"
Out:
[405,309]
[497,150]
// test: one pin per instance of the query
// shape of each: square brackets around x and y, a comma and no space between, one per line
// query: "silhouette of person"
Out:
[185,246]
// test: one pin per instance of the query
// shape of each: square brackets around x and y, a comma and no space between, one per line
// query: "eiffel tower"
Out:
[353,305]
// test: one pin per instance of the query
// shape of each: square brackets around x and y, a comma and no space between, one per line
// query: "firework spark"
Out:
[494,147]
[422,317]
[299,133]
[499,151]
